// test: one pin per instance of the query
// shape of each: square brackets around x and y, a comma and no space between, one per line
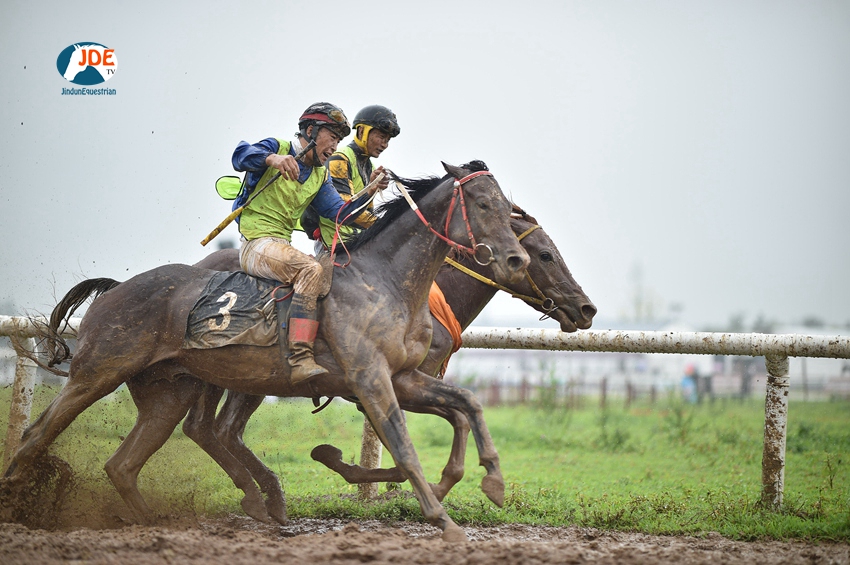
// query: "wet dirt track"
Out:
[236,540]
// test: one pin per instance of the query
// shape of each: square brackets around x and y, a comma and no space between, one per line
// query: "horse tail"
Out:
[56,347]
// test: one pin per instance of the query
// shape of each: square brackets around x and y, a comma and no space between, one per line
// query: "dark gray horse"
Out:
[548,286]
[376,329]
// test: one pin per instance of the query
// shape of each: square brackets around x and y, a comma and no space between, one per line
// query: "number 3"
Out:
[224,311]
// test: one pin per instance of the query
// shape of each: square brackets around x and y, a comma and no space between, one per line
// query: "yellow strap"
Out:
[539,301]
[494,284]
[526,232]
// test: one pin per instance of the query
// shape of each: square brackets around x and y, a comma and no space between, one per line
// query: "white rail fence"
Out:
[776,348]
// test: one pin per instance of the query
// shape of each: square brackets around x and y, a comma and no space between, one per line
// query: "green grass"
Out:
[663,469]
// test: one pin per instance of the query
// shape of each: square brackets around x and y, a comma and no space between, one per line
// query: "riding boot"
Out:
[303,328]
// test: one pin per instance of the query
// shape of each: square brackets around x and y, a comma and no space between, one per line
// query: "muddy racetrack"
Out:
[237,540]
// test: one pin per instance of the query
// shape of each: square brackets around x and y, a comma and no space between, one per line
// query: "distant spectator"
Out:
[689,384]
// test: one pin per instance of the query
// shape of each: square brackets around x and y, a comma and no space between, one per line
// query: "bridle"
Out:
[457,196]
[547,304]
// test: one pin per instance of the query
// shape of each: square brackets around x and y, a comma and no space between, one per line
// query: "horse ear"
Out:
[456,172]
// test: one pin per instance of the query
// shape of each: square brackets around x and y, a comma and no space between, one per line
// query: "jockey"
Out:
[267,222]
[351,168]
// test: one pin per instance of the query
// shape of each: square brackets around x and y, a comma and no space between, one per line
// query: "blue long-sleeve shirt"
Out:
[252,159]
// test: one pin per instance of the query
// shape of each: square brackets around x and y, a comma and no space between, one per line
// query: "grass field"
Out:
[668,468]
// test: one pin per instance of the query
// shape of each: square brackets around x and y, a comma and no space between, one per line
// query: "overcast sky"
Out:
[696,150]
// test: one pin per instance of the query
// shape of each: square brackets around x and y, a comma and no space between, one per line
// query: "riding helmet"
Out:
[327,115]
[379,117]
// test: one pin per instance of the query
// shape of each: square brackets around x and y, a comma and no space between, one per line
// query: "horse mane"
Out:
[389,211]
[520,214]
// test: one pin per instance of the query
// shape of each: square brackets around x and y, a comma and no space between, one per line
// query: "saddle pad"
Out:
[235,308]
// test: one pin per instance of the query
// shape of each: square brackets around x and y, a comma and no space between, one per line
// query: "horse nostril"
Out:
[516,263]
[588,311]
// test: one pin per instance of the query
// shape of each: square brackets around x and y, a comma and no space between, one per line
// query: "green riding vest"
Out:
[275,211]
[357,184]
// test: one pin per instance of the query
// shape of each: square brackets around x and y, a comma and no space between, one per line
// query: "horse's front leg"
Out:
[417,388]
[375,390]
[331,457]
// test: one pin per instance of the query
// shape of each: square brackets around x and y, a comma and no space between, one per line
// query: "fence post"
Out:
[775,431]
[19,410]
[371,449]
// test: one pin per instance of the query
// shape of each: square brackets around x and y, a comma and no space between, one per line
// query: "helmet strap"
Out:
[361,141]
[311,139]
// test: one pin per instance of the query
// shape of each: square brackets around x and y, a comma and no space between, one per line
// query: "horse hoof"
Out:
[255,508]
[326,454]
[494,488]
[277,510]
[454,534]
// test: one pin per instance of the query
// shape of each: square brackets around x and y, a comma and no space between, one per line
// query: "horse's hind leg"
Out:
[229,428]
[161,404]
[200,425]
[454,469]
[82,390]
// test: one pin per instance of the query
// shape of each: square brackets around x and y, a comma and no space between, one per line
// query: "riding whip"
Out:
[233,215]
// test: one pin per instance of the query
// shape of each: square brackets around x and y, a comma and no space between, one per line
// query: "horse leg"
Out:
[375,391]
[84,388]
[229,428]
[331,457]
[161,405]
[454,469]
[417,388]
[199,425]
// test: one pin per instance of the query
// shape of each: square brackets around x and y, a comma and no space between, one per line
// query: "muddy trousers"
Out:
[275,258]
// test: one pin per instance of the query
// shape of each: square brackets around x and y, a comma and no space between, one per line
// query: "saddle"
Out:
[236,308]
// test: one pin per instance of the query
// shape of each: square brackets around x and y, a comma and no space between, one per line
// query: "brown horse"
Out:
[548,287]
[375,333]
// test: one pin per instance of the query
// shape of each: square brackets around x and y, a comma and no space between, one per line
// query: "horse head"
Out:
[484,221]
[549,286]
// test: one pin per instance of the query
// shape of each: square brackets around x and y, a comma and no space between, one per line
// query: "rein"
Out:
[457,194]
[546,303]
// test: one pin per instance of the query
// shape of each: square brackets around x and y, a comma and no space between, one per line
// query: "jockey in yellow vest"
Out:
[351,168]
[267,222]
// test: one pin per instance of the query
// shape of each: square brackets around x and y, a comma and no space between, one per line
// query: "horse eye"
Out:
[545,256]
[483,205]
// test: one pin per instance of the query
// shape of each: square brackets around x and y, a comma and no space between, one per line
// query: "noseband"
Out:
[547,304]
[457,196]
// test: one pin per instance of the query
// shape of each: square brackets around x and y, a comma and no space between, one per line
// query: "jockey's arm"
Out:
[252,158]
[328,203]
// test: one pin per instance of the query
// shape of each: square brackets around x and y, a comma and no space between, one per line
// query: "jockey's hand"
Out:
[286,164]
[385,182]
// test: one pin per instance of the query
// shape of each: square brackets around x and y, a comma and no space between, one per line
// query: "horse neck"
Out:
[466,296]
[406,256]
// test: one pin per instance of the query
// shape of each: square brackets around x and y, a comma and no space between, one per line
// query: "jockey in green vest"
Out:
[351,168]
[267,222]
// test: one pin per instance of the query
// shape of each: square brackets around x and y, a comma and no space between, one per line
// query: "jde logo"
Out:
[87,63]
